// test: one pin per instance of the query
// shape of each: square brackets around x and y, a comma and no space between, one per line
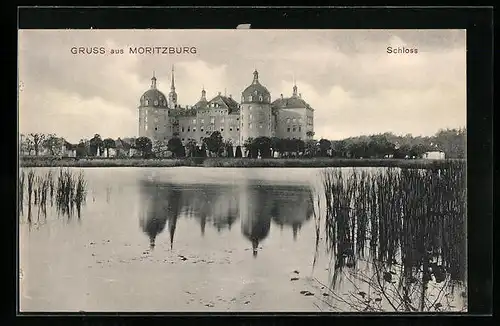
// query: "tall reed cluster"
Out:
[415,219]
[68,191]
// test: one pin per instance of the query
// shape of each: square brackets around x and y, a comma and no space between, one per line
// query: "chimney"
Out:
[281,96]
[230,96]
[219,93]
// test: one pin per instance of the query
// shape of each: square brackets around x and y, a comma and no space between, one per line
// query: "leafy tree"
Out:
[418,150]
[203,149]
[53,144]
[144,145]
[159,147]
[214,143]
[37,140]
[276,145]
[81,149]
[26,145]
[339,148]
[262,145]
[96,145]
[287,146]
[229,148]
[191,147]
[238,152]
[452,142]
[402,151]
[311,148]
[300,145]
[324,146]
[250,148]
[107,144]
[175,146]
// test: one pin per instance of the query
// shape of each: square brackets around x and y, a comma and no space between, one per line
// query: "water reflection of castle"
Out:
[221,205]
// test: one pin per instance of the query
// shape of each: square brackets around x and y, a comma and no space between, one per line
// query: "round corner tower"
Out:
[153,114]
[255,111]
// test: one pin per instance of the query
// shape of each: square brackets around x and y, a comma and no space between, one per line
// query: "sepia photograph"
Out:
[243,170]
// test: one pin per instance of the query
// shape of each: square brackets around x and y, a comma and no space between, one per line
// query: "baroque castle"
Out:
[256,115]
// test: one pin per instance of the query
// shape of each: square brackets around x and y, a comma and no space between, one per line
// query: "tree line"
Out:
[450,141]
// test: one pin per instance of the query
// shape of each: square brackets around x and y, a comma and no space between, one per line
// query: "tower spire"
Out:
[153,80]
[255,77]
[172,96]
[203,93]
[294,86]
[172,87]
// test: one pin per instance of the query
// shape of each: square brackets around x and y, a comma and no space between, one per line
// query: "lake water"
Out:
[180,239]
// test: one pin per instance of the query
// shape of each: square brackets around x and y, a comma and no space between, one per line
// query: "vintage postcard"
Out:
[242,170]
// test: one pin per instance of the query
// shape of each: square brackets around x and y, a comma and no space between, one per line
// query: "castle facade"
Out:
[255,115]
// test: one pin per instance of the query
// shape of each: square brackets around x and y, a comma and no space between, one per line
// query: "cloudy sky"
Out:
[347,76]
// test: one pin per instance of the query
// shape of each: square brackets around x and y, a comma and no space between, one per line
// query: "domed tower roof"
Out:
[202,103]
[153,97]
[255,92]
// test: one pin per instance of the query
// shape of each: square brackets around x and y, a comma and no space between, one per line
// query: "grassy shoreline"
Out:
[237,162]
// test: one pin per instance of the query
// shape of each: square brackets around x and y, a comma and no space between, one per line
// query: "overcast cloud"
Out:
[347,76]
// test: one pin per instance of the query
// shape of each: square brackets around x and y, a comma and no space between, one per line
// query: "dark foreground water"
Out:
[184,239]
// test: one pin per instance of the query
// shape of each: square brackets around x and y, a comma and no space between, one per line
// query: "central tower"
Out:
[255,112]
[172,96]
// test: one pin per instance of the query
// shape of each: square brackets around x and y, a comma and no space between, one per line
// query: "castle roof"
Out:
[293,102]
[255,92]
[153,96]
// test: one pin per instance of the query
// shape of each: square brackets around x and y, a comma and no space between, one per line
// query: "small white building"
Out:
[435,155]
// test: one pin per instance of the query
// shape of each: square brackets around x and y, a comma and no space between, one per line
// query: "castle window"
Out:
[293,129]
[221,129]
[156,103]
[260,98]
[182,128]
[189,129]
[182,139]
[237,119]
[212,119]
[202,121]
[146,102]
[230,128]
[288,129]
[238,129]
[194,129]
[201,129]
[300,128]
[156,128]
[250,98]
